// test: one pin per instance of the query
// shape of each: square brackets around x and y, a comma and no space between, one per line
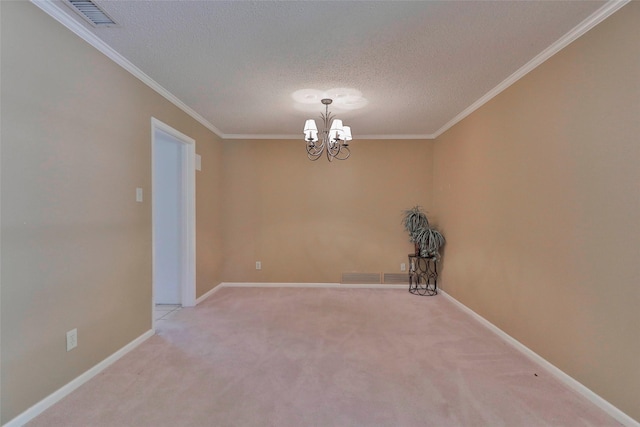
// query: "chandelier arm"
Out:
[340,152]
[315,150]
[318,145]
[334,150]
[345,151]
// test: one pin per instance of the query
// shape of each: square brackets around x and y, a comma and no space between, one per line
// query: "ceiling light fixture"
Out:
[334,140]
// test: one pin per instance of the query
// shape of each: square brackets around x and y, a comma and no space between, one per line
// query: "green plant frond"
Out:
[430,241]
[414,219]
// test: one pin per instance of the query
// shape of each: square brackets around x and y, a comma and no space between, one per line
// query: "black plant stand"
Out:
[423,275]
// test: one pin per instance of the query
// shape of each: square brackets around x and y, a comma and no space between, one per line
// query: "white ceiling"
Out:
[407,68]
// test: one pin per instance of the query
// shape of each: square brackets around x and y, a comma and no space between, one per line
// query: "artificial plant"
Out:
[428,240]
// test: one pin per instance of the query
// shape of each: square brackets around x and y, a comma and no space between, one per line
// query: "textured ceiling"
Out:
[406,69]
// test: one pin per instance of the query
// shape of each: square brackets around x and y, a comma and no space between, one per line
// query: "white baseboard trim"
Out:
[312,285]
[553,370]
[209,293]
[294,285]
[65,390]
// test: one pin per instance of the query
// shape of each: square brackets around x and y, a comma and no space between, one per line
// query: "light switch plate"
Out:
[72,339]
[139,194]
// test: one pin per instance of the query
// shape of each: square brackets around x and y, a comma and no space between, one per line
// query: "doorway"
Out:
[173,216]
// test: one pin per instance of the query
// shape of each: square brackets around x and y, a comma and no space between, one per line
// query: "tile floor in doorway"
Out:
[165,311]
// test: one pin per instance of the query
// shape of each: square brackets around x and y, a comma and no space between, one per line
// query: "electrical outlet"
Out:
[403,267]
[72,339]
[258,265]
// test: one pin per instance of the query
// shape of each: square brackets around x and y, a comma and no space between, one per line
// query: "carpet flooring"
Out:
[323,357]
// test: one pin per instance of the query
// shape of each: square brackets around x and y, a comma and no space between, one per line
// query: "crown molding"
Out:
[359,137]
[408,136]
[260,136]
[50,8]
[594,19]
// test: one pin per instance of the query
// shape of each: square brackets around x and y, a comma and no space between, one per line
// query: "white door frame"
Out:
[188,243]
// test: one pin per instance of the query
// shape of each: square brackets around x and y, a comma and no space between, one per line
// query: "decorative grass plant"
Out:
[428,240]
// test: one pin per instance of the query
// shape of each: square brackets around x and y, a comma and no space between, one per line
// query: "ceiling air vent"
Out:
[92,13]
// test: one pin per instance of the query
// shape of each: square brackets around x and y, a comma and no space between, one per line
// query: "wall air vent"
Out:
[91,13]
[365,278]
[396,278]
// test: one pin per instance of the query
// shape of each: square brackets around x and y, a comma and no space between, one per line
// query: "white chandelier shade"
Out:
[311,131]
[332,140]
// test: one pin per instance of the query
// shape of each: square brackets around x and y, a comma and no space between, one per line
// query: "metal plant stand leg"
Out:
[423,275]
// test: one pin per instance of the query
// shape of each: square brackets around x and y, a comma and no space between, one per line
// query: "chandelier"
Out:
[333,140]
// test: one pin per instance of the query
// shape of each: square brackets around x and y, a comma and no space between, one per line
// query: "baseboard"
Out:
[312,285]
[65,390]
[296,285]
[209,293]
[553,370]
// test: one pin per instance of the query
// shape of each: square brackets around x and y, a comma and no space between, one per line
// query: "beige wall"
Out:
[311,221]
[76,247]
[538,195]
